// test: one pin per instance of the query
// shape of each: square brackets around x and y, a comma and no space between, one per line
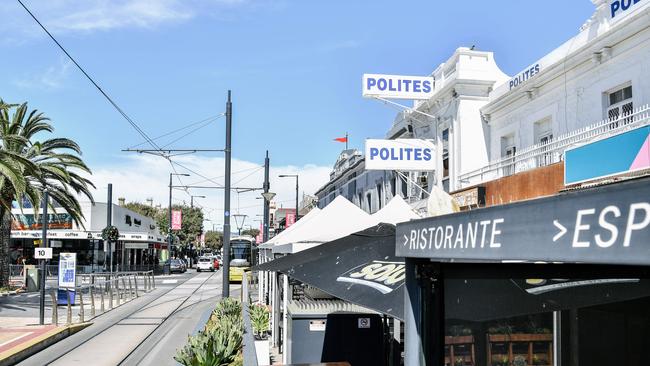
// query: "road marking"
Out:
[15,338]
[169,281]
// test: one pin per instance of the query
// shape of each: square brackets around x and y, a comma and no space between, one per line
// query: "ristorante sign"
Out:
[609,224]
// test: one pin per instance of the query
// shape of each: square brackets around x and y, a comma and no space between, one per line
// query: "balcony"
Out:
[540,155]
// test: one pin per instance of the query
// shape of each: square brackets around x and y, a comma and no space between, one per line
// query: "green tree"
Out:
[251,232]
[214,239]
[29,164]
[191,225]
[143,209]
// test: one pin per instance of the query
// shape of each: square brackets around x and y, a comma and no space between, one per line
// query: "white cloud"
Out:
[64,16]
[50,79]
[139,177]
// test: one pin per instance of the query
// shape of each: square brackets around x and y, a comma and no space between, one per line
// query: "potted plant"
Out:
[260,317]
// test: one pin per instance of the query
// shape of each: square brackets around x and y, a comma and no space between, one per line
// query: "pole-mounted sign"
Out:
[602,225]
[397,87]
[177,217]
[400,154]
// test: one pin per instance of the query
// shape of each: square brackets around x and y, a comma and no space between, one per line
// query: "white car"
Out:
[205,264]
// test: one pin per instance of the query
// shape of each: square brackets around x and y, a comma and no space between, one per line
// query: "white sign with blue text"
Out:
[397,87]
[400,154]
[67,270]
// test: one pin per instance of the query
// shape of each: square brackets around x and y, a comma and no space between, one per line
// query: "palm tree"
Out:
[29,165]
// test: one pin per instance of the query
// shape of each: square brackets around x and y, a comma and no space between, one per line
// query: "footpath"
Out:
[21,336]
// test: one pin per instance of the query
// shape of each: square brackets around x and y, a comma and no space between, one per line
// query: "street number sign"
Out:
[43,253]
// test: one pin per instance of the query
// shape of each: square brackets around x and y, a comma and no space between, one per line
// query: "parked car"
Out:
[176,265]
[216,262]
[205,264]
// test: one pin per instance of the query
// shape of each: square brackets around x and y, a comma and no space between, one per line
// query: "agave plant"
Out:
[28,165]
[220,342]
[259,319]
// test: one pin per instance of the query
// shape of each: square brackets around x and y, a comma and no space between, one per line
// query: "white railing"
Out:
[540,155]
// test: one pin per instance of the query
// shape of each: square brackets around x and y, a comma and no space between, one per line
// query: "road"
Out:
[145,331]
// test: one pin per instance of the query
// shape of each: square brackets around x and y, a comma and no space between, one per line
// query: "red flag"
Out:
[341,139]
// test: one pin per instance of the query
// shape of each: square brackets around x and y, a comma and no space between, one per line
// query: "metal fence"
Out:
[551,152]
[99,293]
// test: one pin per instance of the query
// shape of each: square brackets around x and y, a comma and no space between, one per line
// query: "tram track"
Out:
[177,310]
[124,317]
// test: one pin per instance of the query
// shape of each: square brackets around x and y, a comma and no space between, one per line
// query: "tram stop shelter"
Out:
[563,280]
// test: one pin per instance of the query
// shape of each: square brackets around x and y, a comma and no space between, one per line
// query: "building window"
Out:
[423,182]
[543,136]
[379,194]
[620,105]
[445,153]
[404,186]
[508,151]
[369,202]
[393,186]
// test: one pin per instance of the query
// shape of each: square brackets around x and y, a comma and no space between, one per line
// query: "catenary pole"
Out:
[41,315]
[226,203]
[109,221]
[169,217]
[266,186]
[296,219]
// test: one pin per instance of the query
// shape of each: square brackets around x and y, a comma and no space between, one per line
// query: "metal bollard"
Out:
[135,279]
[101,298]
[110,295]
[153,280]
[117,288]
[81,305]
[92,301]
[67,297]
[130,289]
[55,310]
[124,286]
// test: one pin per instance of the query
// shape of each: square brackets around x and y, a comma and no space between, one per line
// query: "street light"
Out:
[169,226]
[293,176]
[243,219]
[192,200]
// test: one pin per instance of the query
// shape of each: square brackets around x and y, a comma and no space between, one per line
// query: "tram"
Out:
[240,256]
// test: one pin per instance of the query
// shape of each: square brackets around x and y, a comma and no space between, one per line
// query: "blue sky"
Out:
[294,67]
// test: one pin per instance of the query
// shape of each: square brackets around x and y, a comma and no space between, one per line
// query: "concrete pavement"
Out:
[145,331]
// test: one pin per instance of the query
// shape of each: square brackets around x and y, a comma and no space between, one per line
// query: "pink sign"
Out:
[176,219]
[290,220]
[260,236]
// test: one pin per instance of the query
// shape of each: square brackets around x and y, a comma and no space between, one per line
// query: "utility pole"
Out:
[109,221]
[296,220]
[169,217]
[42,281]
[266,186]
[226,203]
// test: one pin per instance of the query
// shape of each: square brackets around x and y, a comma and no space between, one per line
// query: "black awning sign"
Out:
[602,225]
[383,276]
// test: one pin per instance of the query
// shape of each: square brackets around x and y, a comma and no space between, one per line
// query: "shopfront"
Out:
[563,280]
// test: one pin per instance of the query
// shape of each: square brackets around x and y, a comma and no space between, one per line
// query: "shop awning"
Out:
[360,268]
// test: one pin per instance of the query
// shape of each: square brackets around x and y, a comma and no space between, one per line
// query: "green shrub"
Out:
[259,319]
[220,342]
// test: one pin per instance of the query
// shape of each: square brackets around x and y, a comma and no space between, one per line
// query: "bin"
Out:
[33,279]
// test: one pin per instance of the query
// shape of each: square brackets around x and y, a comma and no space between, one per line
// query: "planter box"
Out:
[263,352]
[520,337]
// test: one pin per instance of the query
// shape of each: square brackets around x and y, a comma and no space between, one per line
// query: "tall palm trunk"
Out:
[5,243]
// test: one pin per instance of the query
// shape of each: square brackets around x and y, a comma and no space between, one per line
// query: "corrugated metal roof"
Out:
[609,180]
[324,307]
